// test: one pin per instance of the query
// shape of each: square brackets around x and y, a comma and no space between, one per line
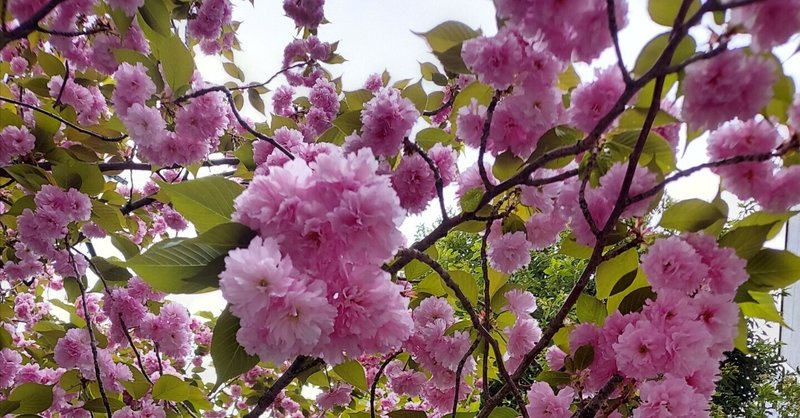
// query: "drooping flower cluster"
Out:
[770,184]
[521,118]
[732,85]
[388,118]
[198,124]
[569,29]
[88,102]
[74,351]
[672,348]
[328,224]
[437,352]
[15,142]
[414,180]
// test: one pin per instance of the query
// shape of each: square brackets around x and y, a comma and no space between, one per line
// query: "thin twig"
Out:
[377,377]
[300,364]
[437,175]
[224,90]
[459,370]
[590,410]
[73,34]
[487,126]
[64,121]
[57,103]
[613,28]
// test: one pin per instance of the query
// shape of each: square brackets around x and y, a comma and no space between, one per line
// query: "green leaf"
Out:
[656,149]
[466,283]
[32,397]
[664,12]
[506,165]
[429,137]
[448,34]
[28,176]
[451,60]
[139,386]
[554,378]
[584,356]
[634,301]
[89,178]
[352,372]
[655,48]
[206,202]
[589,309]
[230,359]
[416,94]
[96,405]
[256,101]
[777,220]
[176,62]
[741,337]
[7,407]
[51,65]
[106,216]
[171,388]
[190,265]
[558,137]
[348,122]
[763,307]
[355,99]
[471,199]
[111,272]
[690,215]
[746,240]
[633,119]
[233,70]
[156,15]
[476,90]
[773,269]
[610,272]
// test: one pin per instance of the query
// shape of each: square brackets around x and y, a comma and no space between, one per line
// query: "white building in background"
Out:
[790,305]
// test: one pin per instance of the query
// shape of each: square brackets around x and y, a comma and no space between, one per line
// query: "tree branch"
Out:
[377,377]
[590,410]
[25,28]
[487,125]
[300,364]
[64,121]
[613,28]
[437,175]
[459,370]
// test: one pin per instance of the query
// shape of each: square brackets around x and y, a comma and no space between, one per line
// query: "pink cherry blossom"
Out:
[387,119]
[15,142]
[730,85]
[543,402]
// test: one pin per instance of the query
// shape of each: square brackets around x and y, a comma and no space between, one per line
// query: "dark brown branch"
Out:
[487,125]
[614,29]
[437,175]
[377,377]
[64,82]
[138,204]
[133,347]
[92,339]
[459,370]
[300,364]
[590,410]
[64,121]
[689,171]
[73,34]
[269,80]
[27,27]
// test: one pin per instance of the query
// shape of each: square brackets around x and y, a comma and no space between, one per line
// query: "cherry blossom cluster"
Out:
[672,348]
[15,142]
[311,283]
[198,125]
[41,229]
[769,183]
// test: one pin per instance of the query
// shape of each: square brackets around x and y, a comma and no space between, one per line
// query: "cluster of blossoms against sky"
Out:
[319,194]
